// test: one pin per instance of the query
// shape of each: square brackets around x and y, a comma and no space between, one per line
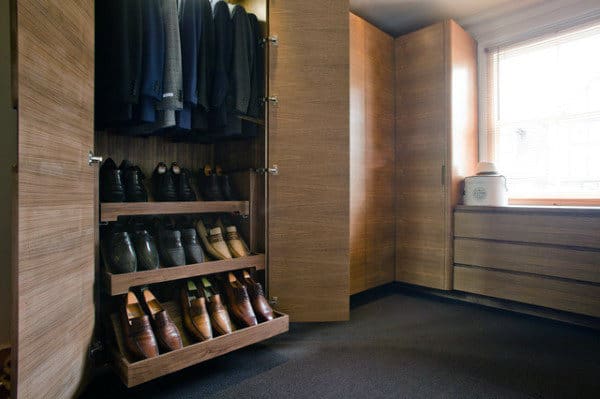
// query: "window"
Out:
[544,117]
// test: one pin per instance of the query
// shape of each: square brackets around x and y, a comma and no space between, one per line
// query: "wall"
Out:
[8,155]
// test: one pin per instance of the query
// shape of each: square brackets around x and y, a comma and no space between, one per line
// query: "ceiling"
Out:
[401,16]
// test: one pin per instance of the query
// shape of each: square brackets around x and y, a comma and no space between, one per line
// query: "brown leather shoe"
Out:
[195,316]
[239,302]
[139,338]
[237,246]
[261,306]
[166,332]
[215,246]
[219,317]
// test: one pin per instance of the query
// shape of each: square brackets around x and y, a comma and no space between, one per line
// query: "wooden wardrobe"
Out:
[304,209]
[436,147]
[372,221]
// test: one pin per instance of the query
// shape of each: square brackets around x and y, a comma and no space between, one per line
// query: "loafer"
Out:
[236,244]
[163,183]
[216,240]
[137,330]
[111,182]
[223,183]
[209,185]
[240,306]
[118,251]
[133,180]
[261,306]
[219,317]
[195,315]
[145,249]
[193,250]
[166,332]
[182,183]
[204,235]
[171,248]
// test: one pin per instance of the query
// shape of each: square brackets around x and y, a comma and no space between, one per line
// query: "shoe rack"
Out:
[135,373]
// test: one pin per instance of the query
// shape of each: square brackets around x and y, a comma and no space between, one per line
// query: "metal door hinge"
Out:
[274,170]
[274,40]
[272,99]
[95,350]
[93,159]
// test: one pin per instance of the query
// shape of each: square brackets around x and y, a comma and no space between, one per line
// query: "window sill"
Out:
[534,209]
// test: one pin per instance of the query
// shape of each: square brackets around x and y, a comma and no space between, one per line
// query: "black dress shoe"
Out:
[209,185]
[171,248]
[163,182]
[133,179]
[223,182]
[182,182]
[111,182]
[193,250]
[146,251]
[118,252]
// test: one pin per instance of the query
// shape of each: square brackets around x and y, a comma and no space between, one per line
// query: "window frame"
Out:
[487,75]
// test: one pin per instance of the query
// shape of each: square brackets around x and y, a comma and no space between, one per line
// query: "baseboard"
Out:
[506,305]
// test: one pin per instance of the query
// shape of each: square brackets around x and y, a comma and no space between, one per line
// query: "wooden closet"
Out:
[436,147]
[299,216]
[372,221]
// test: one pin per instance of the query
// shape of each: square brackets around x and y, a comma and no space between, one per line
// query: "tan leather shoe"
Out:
[139,337]
[235,243]
[261,306]
[215,237]
[239,302]
[219,317]
[207,242]
[166,332]
[195,316]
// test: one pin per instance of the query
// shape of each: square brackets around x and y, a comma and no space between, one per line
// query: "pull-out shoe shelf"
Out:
[133,372]
[120,283]
[110,211]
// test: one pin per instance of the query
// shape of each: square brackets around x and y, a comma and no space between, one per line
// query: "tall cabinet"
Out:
[372,222]
[305,207]
[436,147]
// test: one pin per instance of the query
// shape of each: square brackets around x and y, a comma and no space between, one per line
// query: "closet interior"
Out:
[193,212]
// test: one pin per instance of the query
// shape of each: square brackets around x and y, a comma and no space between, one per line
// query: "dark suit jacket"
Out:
[223,53]
[243,59]
[118,59]
[153,60]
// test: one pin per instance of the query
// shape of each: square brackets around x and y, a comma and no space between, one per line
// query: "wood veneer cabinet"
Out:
[372,222]
[436,147]
[304,208]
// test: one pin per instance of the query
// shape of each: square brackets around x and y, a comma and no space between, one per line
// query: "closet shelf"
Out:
[110,211]
[117,284]
[258,121]
[135,373]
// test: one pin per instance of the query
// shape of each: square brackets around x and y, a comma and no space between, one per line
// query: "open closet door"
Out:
[308,200]
[54,255]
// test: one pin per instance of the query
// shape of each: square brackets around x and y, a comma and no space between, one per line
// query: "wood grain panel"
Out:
[308,220]
[358,164]
[463,143]
[421,115]
[147,152]
[55,237]
[576,264]
[380,223]
[564,295]
[578,230]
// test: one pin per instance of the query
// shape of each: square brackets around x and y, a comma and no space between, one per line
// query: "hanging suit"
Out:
[205,67]
[223,52]
[257,83]
[119,40]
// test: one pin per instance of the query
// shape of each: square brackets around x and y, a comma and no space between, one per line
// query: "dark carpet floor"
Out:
[397,345]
